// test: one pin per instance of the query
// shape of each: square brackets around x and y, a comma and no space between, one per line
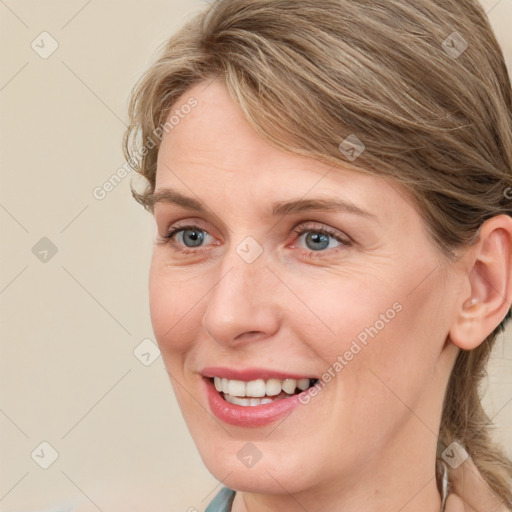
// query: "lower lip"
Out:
[251,415]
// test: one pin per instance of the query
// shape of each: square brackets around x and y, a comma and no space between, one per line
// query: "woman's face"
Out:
[354,295]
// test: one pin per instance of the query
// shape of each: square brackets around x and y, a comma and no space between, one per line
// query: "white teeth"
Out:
[273,387]
[289,386]
[256,388]
[248,402]
[235,400]
[259,388]
[303,384]
[236,388]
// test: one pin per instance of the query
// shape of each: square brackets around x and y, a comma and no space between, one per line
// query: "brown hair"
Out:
[423,85]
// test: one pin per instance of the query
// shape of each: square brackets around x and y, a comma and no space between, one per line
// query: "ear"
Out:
[489,275]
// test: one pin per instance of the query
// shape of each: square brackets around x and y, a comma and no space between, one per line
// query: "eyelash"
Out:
[299,231]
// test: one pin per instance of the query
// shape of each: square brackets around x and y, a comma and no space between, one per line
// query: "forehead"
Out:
[215,131]
[212,148]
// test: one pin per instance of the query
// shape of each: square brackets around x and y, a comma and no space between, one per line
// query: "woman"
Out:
[330,184]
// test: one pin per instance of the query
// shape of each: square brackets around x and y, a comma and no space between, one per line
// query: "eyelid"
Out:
[188,223]
[319,227]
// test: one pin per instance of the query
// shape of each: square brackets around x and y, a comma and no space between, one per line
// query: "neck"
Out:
[402,478]
[417,498]
[427,499]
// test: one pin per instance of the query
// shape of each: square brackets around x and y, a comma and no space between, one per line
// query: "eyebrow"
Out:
[279,208]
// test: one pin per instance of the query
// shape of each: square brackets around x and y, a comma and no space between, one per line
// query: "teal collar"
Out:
[222,501]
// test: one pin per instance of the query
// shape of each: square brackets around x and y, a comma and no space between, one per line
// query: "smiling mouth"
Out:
[259,391]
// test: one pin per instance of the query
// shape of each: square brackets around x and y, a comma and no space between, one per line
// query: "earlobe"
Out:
[489,276]
[467,332]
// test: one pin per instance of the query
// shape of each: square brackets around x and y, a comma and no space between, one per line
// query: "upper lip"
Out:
[248,374]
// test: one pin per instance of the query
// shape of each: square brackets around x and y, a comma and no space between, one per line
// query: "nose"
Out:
[243,304]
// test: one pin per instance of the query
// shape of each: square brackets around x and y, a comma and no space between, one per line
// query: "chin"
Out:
[244,466]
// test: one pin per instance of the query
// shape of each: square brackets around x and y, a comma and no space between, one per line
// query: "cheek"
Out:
[344,314]
[380,336]
[394,372]
[173,303]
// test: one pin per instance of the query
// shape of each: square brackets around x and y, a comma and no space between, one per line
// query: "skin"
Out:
[368,440]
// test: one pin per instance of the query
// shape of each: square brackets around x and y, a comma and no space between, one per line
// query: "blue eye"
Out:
[195,236]
[192,234]
[318,239]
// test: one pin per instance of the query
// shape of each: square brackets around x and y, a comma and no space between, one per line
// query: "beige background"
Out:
[70,325]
